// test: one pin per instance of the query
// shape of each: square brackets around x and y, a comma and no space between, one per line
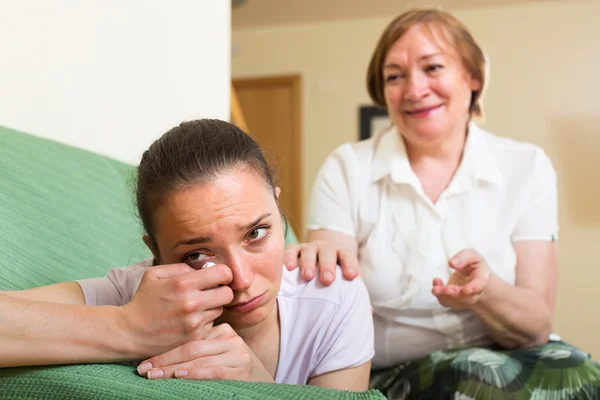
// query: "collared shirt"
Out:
[503,191]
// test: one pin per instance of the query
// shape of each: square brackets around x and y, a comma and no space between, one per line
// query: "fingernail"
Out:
[456,260]
[157,373]
[143,368]
[181,373]
[351,271]
[308,274]
[328,276]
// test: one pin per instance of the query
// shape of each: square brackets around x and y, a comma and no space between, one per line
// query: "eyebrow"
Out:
[207,239]
[425,57]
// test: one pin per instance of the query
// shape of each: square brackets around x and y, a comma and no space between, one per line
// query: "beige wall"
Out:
[544,89]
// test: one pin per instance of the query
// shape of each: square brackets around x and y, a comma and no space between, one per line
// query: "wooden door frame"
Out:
[297,142]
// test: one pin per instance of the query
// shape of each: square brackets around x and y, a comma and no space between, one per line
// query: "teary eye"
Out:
[195,258]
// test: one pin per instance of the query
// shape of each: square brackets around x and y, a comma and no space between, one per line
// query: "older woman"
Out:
[454,230]
[205,194]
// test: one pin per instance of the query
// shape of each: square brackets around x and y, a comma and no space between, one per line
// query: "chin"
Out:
[426,132]
[247,319]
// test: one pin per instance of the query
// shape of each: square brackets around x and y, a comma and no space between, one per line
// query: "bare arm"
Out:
[50,325]
[521,315]
[66,293]
[353,379]
[38,332]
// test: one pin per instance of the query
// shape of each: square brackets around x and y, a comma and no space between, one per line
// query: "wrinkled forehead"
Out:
[232,197]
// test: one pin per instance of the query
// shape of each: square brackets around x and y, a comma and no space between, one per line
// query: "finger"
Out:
[449,290]
[308,261]
[185,353]
[167,271]
[476,286]
[464,258]
[327,263]
[193,369]
[292,252]
[204,300]
[349,264]
[203,279]
[438,282]
[209,373]
[221,331]
[208,278]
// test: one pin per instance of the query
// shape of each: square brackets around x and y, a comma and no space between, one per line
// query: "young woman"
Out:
[205,194]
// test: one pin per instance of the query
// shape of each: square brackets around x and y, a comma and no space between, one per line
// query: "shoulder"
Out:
[351,153]
[341,293]
[518,162]
[519,153]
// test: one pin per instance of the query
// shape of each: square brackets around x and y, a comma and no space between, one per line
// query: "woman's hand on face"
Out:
[175,304]
[322,255]
[223,355]
[467,284]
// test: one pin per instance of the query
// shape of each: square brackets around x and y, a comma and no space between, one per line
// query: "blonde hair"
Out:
[454,30]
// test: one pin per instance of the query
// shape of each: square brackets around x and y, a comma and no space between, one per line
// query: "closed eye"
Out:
[393,77]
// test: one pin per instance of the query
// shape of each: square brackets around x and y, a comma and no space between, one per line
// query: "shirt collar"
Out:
[477,164]
[391,159]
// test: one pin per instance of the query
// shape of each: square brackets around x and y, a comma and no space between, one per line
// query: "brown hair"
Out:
[194,152]
[454,30]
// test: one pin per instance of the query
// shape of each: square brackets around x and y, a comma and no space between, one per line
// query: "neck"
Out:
[448,150]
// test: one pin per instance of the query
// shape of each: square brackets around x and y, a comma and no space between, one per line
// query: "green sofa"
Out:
[66,214]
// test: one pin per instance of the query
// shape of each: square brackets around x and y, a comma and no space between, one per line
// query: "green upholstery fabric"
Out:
[80,382]
[67,214]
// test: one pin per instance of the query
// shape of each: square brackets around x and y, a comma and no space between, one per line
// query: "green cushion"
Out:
[66,214]
[80,382]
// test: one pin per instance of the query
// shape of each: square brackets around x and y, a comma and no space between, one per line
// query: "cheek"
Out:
[392,96]
[270,262]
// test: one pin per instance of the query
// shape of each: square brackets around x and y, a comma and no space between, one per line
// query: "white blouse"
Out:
[503,191]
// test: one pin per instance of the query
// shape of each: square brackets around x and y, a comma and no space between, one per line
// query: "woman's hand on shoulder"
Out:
[468,282]
[223,355]
[323,251]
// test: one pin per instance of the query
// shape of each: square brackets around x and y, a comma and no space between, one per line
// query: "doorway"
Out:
[272,109]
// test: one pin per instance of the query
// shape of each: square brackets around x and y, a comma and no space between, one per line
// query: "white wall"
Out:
[111,75]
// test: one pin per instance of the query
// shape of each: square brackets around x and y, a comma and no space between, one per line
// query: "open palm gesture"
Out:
[467,284]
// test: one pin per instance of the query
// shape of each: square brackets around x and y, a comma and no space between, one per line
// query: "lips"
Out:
[422,110]
[248,305]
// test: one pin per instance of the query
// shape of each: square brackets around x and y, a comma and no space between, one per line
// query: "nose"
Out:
[243,274]
[417,87]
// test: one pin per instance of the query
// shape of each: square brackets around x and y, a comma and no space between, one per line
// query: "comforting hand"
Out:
[175,304]
[326,255]
[467,284]
[223,355]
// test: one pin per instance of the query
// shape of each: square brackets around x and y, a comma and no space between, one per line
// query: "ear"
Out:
[151,246]
[277,191]
[475,85]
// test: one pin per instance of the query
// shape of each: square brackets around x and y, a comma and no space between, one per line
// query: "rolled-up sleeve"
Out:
[116,288]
